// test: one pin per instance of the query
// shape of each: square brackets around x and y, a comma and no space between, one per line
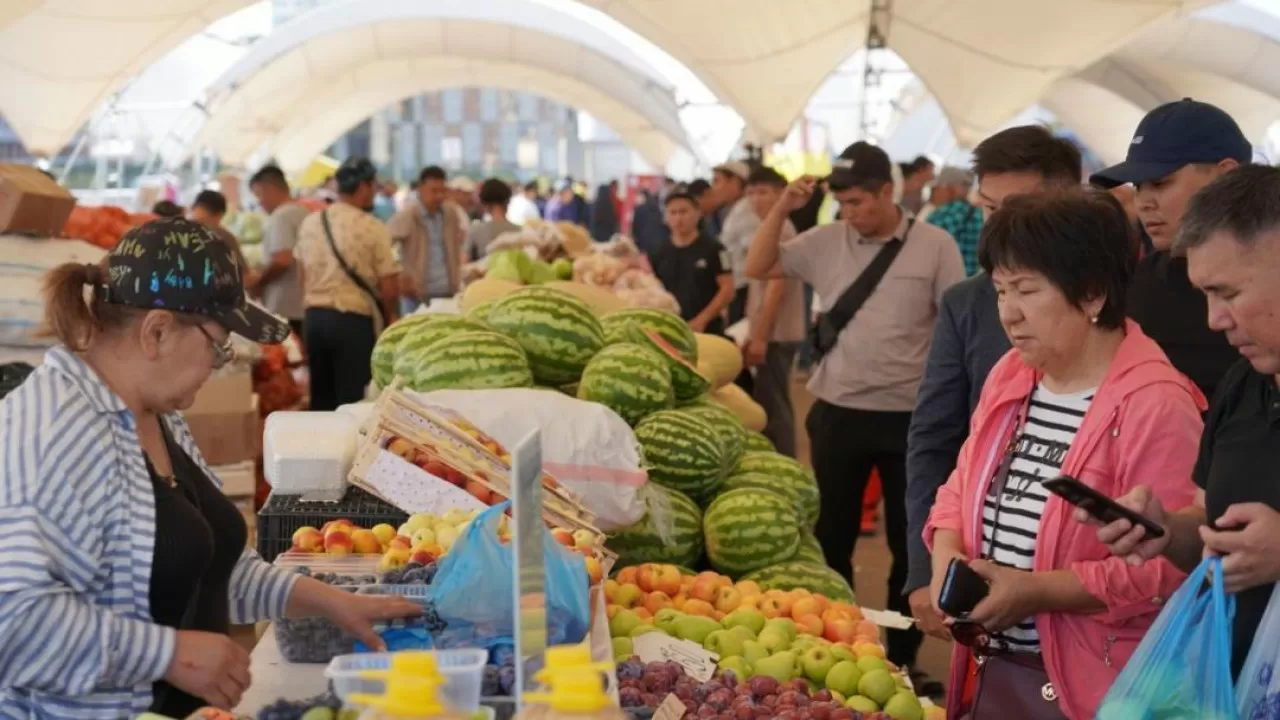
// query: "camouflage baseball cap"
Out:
[178,265]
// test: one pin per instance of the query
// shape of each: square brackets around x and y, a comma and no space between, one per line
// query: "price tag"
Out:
[888,619]
[658,647]
[670,709]
[415,490]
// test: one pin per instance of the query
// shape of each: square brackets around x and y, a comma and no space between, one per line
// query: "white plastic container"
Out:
[462,668]
[309,453]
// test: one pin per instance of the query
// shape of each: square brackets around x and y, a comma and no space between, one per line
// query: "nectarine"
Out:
[810,625]
[694,606]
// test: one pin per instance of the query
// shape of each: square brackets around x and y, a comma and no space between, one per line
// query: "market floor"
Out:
[871,560]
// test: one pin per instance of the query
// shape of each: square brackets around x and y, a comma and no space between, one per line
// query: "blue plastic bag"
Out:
[1258,690]
[1182,668]
[474,591]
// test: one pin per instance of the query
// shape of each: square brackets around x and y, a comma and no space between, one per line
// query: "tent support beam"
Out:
[873,69]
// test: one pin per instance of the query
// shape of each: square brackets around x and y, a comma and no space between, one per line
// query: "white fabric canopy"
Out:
[60,59]
[985,60]
[303,86]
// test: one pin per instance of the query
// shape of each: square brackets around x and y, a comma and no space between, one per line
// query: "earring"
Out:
[1094,319]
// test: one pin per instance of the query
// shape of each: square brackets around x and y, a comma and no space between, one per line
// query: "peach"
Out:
[686,583]
[400,542]
[365,542]
[869,649]
[594,571]
[748,588]
[394,559]
[610,589]
[562,536]
[838,628]
[384,532]
[665,578]
[834,613]
[810,625]
[728,599]
[643,614]
[823,603]
[679,600]
[772,608]
[332,525]
[656,600]
[868,628]
[715,577]
[750,602]
[848,609]
[805,606]
[627,575]
[695,606]
[783,602]
[704,589]
[308,539]
[477,490]
[337,542]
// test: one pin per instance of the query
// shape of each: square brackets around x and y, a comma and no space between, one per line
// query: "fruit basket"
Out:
[283,514]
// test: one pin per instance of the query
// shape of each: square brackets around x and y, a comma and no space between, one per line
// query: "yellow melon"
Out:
[484,290]
[719,360]
[600,300]
[742,405]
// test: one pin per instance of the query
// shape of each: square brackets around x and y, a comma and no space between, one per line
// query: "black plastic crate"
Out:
[13,375]
[282,515]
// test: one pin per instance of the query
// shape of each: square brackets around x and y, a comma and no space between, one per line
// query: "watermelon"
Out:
[669,325]
[424,335]
[786,476]
[748,529]
[686,382]
[728,429]
[670,532]
[382,362]
[757,441]
[556,330]
[480,313]
[814,577]
[468,361]
[810,550]
[630,380]
[681,452]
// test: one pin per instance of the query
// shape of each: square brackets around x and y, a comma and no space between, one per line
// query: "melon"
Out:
[601,300]
[748,529]
[727,429]
[480,313]
[631,380]
[669,325]
[479,360]
[810,550]
[670,532]
[757,441]
[719,360]
[686,382]
[485,290]
[682,452]
[741,405]
[556,330]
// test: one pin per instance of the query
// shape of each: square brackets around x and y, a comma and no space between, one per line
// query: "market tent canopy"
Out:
[303,86]
[985,60]
[60,59]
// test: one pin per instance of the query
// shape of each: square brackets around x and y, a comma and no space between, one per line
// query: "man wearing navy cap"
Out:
[1178,148]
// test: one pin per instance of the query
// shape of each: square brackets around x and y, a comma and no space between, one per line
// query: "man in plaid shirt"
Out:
[953,212]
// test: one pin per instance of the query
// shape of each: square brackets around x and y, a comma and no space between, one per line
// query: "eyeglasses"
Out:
[223,353]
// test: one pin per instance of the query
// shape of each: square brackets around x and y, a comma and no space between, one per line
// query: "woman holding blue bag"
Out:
[1084,393]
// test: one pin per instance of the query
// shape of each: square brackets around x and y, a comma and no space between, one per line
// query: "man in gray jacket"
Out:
[968,340]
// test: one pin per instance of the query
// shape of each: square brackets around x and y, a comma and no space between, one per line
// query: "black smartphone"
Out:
[1098,505]
[962,589]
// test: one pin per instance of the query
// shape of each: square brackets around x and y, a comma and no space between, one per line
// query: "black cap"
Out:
[175,264]
[1174,135]
[354,172]
[860,163]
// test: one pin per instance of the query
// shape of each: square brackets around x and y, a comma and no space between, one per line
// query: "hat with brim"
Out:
[1172,136]
[253,323]
[1134,172]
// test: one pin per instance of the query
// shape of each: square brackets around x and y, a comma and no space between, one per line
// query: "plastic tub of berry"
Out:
[462,669]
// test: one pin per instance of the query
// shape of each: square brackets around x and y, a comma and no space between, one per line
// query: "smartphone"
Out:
[1098,505]
[962,589]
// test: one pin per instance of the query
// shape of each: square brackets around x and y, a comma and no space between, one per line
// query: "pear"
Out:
[694,628]
[623,622]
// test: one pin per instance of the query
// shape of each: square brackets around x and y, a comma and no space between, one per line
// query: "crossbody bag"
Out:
[380,314]
[826,330]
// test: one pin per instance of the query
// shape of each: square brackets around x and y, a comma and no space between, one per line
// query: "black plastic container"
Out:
[282,515]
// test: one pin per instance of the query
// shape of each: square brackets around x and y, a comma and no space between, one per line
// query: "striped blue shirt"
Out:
[77,535]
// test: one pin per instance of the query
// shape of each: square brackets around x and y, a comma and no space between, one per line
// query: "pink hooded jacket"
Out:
[1143,428]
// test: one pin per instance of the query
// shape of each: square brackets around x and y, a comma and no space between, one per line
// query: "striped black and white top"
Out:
[1011,522]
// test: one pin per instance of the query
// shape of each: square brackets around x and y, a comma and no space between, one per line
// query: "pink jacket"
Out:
[1143,428]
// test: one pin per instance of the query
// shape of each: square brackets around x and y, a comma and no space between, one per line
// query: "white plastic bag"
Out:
[23,264]
[586,446]
[1258,687]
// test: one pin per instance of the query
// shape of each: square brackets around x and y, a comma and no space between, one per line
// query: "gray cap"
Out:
[952,175]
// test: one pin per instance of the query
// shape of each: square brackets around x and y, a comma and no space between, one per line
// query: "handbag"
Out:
[826,330]
[355,277]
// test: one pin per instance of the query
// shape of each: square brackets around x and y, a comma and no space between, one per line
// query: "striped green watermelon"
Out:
[814,577]
[670,532]
[681,452]
[810,550]
[669,325]
[556,330]
[632,381]
[686,381]
[748,529]
[469,361]
[787,476]
[480,313]
[728,429]
[424,335]
[382,362]
[757,441]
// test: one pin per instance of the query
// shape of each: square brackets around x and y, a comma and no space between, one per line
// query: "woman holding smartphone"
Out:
[1083,393]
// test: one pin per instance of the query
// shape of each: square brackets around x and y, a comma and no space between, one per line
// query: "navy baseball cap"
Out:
[1174,135]
[860,162]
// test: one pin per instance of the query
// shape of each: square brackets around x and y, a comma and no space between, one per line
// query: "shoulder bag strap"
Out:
[857,294]
[351,273]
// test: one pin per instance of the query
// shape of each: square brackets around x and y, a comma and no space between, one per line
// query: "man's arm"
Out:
[280,240]
[763,253]
[724,296]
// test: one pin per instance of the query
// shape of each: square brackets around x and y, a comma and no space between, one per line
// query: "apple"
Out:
[338,542]
[622,623]
[365,542]
[610,589]
[584,538]
[628,595]
[843,678]
[842,652]
[308,539]
[817,662]
[562,536]
[477,489]
[384,533]
[748,588]
[862,704]
[401,542]
[739,666]
[695,629]
[810,625]
[877,685]
[623,649]
[594,571]
[838,628]
[698,607]
[417,521]
[869,629]
[653,576]
[750,619]
[705,589]
[774,641]
[780,666]
[904,705]
[340,524]
[626,575]
[786,625]
[655,601]
[724,643]
[423,556]
[406,530]
[423,536]
[643,628]
[773,607]
[753,651]
[665,620]
[874,651]
[446,537]
[728,599]
[394,559]
[868,663]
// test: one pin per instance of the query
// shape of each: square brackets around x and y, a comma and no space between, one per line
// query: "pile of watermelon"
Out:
[720,496]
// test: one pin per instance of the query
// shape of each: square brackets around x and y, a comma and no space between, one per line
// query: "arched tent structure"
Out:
[984,60]
[301,87]
[61,59]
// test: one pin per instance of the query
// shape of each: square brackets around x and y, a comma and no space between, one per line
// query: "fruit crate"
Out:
[319,640]
[281,515]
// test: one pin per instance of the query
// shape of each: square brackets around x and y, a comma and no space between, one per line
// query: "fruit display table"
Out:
[275,678]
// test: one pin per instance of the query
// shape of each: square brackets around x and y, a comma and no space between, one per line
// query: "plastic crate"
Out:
[318,639]
[281,515]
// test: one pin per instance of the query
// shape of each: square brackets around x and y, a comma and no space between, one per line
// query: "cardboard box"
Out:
[229,393]
[31,203]
[225,438]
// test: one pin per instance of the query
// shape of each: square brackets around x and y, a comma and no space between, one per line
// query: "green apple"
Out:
[870,662]
[695,628]
[859,703]
[780,666]
[724,643]
[753,651]
[843,678]
[904,705]
[639,630]
[787,625]
[666,619]
[843,653]
[877,685]
[623,622]
[622,648]
[751,619]
[737,665]
[774,640]
[818,661]
[803,643]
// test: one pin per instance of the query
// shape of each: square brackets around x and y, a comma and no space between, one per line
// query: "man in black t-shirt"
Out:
[1178,148]
[1231,235]
[694,267]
